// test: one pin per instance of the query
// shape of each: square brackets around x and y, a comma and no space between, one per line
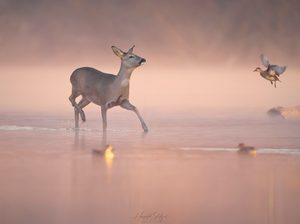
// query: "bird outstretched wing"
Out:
[277,69]
[264,60]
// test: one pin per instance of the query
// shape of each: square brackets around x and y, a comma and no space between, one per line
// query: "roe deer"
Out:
[103,89]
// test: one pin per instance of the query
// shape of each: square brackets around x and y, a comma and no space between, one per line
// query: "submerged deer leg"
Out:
[127,105]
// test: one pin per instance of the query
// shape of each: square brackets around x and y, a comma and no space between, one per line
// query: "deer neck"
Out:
[124,75]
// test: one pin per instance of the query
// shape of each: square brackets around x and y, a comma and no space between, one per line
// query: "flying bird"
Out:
[272,72]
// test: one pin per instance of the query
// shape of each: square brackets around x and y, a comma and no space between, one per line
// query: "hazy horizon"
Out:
[199,54]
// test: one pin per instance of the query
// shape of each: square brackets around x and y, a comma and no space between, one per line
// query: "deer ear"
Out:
[118,52]
[130,50]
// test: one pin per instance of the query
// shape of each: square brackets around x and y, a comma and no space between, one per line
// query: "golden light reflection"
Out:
[109,156]
[252,152]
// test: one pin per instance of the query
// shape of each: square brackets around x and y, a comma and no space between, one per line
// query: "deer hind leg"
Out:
[72,98]
[128,106]
[78,107]
[83,103]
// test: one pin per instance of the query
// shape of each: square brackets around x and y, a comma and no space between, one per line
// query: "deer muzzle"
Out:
[143,61]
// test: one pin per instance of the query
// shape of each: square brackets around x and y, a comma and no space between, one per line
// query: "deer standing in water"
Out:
[103,89]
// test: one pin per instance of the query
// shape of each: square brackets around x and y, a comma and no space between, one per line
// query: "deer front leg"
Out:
[127,105]
[104,119]
[110,104]
[113,103]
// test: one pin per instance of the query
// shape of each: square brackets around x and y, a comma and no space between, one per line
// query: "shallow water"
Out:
[185,170]
[175,130]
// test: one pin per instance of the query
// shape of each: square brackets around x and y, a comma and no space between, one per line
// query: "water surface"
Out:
[185,170]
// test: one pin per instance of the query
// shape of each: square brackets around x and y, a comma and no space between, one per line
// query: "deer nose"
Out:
[143,60]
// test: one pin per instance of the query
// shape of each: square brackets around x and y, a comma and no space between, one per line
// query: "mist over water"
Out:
[199,54]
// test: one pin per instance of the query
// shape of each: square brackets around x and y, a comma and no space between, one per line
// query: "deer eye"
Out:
[131,56]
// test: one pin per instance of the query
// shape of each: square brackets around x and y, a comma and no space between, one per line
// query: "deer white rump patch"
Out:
[125,82]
